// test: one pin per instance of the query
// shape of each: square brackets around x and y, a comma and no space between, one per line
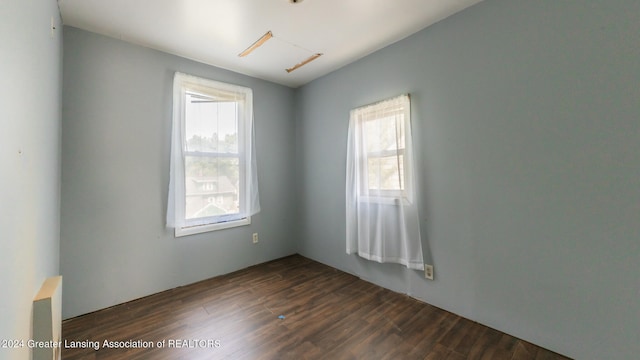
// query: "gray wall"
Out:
[527,122]
[115,174]
[30,97]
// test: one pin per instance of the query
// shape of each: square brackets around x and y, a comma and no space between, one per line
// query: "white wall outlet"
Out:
[255,238]
[428,271]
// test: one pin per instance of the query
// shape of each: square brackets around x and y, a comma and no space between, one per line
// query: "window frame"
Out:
[243,96]
[368,113]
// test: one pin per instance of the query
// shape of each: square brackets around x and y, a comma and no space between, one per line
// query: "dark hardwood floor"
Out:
[328,314]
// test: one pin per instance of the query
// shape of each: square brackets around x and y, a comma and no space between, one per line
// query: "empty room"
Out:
[320,179]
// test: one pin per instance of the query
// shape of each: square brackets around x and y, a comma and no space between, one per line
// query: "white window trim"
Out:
[198,229]
[249,203]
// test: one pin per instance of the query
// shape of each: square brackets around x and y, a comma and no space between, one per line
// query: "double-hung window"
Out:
[382,219]
[213,180]
[385,172]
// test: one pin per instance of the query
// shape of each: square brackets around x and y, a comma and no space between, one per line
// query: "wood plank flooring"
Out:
[328,314]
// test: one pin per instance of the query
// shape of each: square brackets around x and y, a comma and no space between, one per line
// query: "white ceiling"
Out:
[216,31]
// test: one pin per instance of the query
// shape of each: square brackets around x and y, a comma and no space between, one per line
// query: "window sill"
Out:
[382,200]
[198,229]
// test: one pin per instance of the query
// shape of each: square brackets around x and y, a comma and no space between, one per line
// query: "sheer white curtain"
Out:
[382,216]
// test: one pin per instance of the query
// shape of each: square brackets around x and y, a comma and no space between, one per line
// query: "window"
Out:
[381,133]
[382,220]
[212,156]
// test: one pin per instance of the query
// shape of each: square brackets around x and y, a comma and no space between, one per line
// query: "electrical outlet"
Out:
[255,238]
[428,271]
